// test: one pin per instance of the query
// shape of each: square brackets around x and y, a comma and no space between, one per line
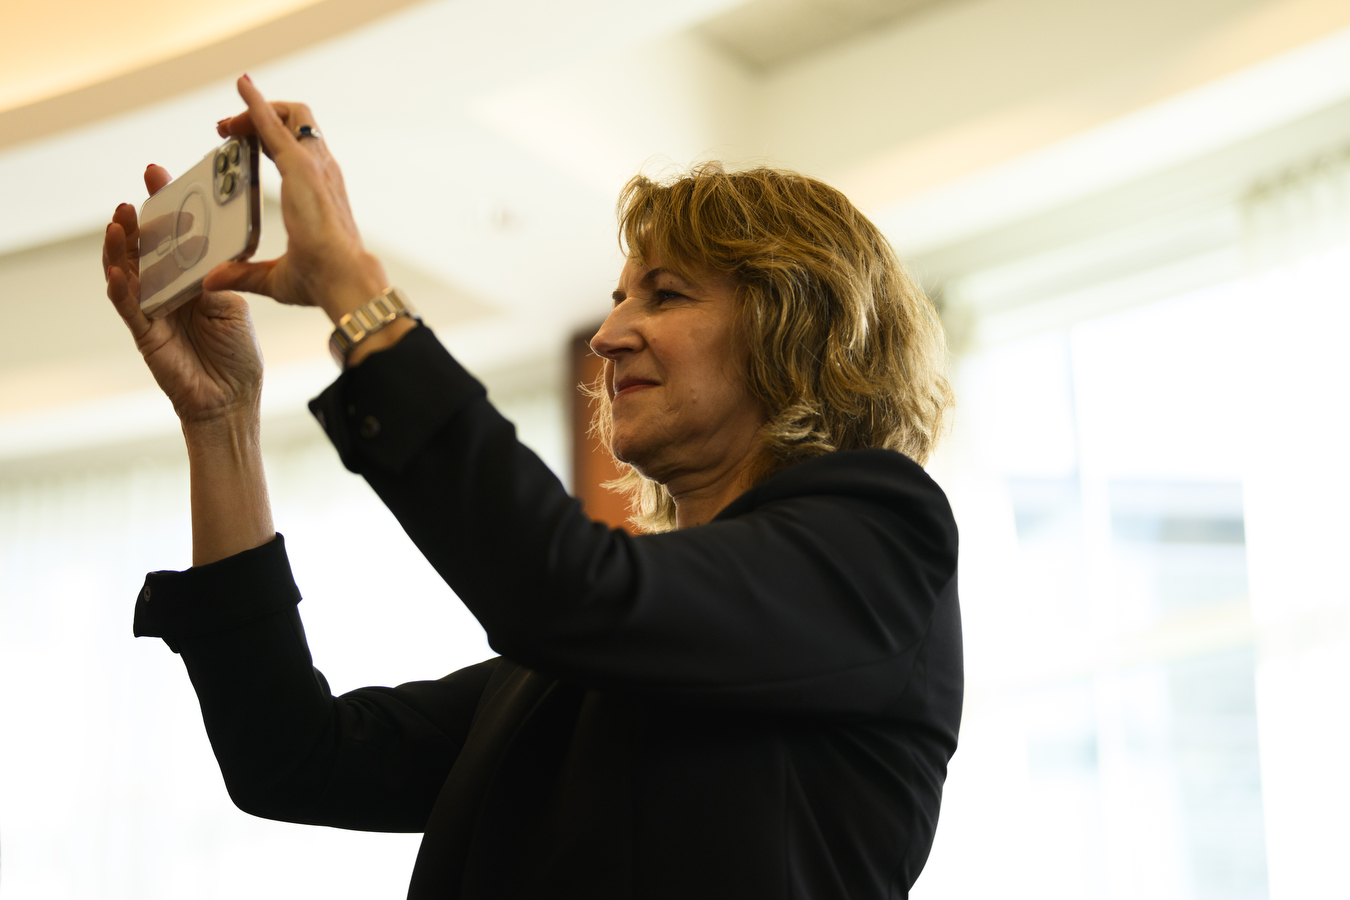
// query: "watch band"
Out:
[367,319]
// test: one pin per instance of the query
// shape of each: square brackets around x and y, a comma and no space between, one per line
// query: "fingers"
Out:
[271,130]
[125,218]
[119,244]
[275,124]
[125,215]
[114,244]
[156,177]
[121,255]
[124,301]
[154,232]
[128,254]
[221,304]
[254,277]
[242,124]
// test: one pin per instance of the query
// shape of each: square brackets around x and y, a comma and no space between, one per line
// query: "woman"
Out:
[759,702]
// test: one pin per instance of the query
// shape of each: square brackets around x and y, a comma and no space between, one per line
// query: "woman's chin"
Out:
[638,454]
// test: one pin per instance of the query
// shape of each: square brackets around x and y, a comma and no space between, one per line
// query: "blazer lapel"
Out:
[507,704]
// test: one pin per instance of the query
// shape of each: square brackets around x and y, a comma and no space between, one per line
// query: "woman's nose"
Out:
[616,334]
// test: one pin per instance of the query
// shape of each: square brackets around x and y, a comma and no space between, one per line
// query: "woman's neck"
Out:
[699,497]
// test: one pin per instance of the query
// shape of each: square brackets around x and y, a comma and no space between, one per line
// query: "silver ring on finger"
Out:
[307,131]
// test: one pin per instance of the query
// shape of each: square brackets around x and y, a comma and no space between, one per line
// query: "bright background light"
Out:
[1135,219]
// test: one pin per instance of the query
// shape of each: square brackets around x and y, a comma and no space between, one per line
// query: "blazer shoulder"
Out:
[881,477]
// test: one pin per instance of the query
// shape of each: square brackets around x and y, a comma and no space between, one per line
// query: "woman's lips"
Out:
[631,386]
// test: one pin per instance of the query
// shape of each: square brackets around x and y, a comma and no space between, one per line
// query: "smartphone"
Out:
[210,214]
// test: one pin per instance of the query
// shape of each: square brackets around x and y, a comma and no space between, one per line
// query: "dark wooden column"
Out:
[592,465]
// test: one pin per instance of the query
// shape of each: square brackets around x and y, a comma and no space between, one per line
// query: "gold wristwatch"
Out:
[367,319]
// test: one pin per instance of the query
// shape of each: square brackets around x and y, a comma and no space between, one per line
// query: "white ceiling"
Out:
[484,141]
[764,34]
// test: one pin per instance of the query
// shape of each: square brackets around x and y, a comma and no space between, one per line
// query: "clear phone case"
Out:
[210,214]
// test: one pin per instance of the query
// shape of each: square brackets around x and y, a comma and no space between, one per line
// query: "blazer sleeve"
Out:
[372,759]
[819,590]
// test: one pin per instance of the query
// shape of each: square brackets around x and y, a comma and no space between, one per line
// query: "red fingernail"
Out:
[246,78]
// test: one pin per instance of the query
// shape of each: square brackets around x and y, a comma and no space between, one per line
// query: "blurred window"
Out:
[1114,645]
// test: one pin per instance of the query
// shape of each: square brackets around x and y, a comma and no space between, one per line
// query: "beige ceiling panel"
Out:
[985,81]
[57,46]
[764,34]
[675,101]
[67,63]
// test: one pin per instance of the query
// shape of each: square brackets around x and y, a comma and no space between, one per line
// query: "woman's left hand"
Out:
[204,354]
[325,263]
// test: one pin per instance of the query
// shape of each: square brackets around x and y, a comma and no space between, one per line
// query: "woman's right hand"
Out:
[325,263]
[204,355]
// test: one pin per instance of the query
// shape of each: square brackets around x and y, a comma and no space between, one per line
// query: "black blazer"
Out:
[760,707]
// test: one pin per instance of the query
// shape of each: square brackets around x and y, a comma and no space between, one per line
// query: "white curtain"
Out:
[108,788]
[1108,746]
[1298,514]
[1155,514]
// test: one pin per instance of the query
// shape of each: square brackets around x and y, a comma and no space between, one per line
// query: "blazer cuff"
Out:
[218,596]
[384,411]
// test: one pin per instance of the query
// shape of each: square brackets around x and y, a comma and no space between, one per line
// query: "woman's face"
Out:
[676,374]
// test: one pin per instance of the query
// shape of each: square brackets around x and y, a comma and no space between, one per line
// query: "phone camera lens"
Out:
[227,184]
[222,163]
[233,151]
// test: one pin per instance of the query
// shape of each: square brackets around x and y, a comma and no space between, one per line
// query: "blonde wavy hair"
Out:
[845,350]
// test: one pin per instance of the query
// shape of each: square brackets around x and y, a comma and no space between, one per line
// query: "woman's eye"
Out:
[663,296]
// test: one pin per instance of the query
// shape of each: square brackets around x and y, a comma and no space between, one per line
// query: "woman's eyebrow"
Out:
[650,277]
[662,270]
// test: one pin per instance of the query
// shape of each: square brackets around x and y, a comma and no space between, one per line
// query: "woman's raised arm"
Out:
[204,356]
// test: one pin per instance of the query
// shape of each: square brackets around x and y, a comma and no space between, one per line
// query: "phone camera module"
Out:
[229,174]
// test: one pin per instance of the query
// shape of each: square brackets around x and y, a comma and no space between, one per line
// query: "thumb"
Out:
[221,304]
[254,277]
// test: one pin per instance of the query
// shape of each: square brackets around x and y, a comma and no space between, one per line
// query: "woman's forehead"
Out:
[646,271]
